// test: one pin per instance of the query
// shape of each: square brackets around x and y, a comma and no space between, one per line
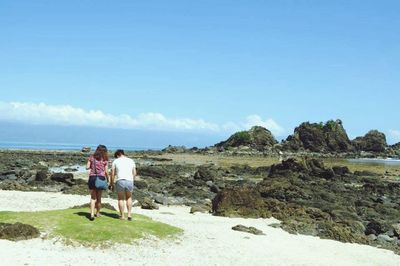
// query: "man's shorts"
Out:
[124,185]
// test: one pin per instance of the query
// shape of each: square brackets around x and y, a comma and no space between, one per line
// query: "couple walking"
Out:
[123,172]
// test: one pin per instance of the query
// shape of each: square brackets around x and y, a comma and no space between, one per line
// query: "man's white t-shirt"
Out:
[123,168]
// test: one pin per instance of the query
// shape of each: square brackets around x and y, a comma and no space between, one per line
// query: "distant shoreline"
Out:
[37,146]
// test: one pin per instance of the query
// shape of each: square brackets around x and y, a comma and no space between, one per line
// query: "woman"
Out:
[98,166]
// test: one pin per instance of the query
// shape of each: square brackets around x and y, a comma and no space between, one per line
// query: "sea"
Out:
[375,161]
[62,146]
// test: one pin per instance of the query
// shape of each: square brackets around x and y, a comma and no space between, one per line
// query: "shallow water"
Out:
[374,161]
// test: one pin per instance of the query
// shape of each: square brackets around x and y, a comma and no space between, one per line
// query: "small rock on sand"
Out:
[250,230]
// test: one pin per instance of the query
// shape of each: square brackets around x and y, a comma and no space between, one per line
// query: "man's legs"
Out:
[121,199]
[128,196]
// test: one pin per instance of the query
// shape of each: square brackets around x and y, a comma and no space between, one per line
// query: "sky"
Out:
[203,67]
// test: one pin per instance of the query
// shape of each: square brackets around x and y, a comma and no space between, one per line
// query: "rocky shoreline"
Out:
[289,182]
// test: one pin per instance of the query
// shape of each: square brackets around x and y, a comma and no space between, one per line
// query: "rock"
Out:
[373,141]
[70,169]
[328,137]
[374,227]
[250,230]
[41,175]
[372,237]
[148,204]
[18,231]
[275,225]
[208,173]
[66,178]
[209,183]
[200,208]
[258,138]
[215,189]
[384,238]
[141,184]
[86,149]
[236,202]
[341,170]
[11,177]
[306,167]
[153,171]
[175,149]
[396,229]
[161,200]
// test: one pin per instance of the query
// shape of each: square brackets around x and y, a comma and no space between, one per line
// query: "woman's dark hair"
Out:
[119,153]
[101,153]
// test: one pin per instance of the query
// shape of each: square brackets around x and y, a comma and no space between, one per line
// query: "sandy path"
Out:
[207,240]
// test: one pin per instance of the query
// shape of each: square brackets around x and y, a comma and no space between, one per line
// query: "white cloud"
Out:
[67,115]
[395,134]
[256,120]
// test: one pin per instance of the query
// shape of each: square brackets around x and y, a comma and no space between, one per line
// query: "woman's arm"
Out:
[88,165]
[106,172]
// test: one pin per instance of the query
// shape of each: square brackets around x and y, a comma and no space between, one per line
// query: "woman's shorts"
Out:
[92,181]
[124,185]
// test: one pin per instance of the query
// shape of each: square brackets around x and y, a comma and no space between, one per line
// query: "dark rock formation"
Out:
[329,137]
[258,138]
[310,198]
[66,178]
[18,231]
[373,141]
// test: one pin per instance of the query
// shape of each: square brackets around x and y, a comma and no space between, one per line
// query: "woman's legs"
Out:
[98,201]
[93,200]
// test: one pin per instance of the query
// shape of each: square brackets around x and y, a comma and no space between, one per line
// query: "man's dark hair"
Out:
[118,153]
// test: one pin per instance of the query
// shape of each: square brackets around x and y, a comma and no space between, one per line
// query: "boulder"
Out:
[250,230]
[41,175]
[258,138]
[86,149]
[161,200]
[375,228]
[66,178]
[207,173]
[200,208]
[18,231]
[373,141]
[148,204]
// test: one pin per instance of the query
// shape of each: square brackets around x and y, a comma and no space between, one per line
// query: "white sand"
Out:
[207,240]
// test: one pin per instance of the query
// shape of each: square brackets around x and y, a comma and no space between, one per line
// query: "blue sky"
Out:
[195,66]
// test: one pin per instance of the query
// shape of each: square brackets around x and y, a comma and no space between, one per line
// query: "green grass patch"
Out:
[73,226]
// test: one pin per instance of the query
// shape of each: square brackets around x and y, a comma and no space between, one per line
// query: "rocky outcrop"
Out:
[310,198]
[258,138]
[319,137]
[373,141]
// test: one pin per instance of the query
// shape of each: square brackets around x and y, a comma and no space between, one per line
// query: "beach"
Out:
[207,240]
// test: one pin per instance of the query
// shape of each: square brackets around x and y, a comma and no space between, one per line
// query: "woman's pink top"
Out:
[101,167]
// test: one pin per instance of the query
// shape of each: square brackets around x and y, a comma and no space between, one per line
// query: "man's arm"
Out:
[112,176]
[134,173]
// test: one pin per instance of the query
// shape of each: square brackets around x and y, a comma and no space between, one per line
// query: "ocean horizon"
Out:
[11,145]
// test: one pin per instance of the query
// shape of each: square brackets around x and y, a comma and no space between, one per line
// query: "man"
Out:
[124,169]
